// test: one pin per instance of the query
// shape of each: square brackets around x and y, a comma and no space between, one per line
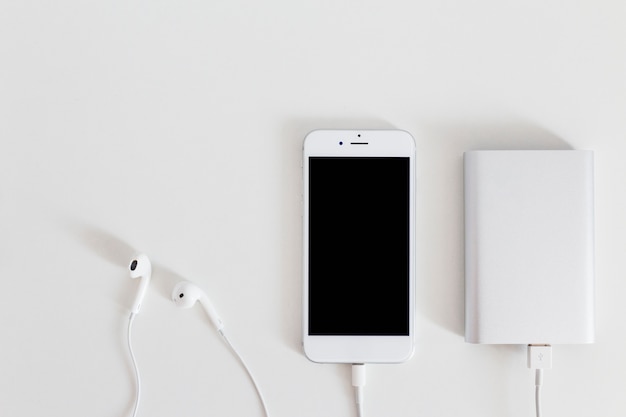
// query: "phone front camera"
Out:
[340,142]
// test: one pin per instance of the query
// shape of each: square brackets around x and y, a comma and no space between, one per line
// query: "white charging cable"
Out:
[539,358]
[358,382]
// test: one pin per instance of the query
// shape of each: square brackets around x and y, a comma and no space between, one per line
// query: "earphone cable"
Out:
[132,356]
[256,386]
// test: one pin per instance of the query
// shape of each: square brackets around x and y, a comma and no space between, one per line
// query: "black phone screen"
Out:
[359,214]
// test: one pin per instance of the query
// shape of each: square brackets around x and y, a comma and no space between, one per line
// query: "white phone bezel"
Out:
[359,349]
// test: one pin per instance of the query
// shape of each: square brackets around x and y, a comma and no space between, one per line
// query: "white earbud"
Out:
[140,267]
[185,294]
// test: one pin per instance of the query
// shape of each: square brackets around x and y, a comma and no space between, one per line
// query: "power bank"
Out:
[529,247]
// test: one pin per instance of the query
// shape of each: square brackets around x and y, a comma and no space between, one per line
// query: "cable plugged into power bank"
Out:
[539,358]
[358,382]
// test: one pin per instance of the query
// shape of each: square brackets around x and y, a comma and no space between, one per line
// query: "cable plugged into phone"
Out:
[539,358]
[358,382]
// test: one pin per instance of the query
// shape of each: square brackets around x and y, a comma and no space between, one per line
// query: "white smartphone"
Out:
[359,215]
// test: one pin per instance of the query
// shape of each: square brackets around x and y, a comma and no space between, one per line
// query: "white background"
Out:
[175,128]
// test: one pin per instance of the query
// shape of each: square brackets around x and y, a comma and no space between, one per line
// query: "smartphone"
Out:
[358,266]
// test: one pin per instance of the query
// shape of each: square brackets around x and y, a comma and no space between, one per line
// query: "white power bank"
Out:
[529,247]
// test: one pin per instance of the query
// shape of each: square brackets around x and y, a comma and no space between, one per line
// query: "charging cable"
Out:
[539,358]
[132,356]
[358,382]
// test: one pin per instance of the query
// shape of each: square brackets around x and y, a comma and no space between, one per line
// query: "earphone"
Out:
[186,293]
[140,267]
